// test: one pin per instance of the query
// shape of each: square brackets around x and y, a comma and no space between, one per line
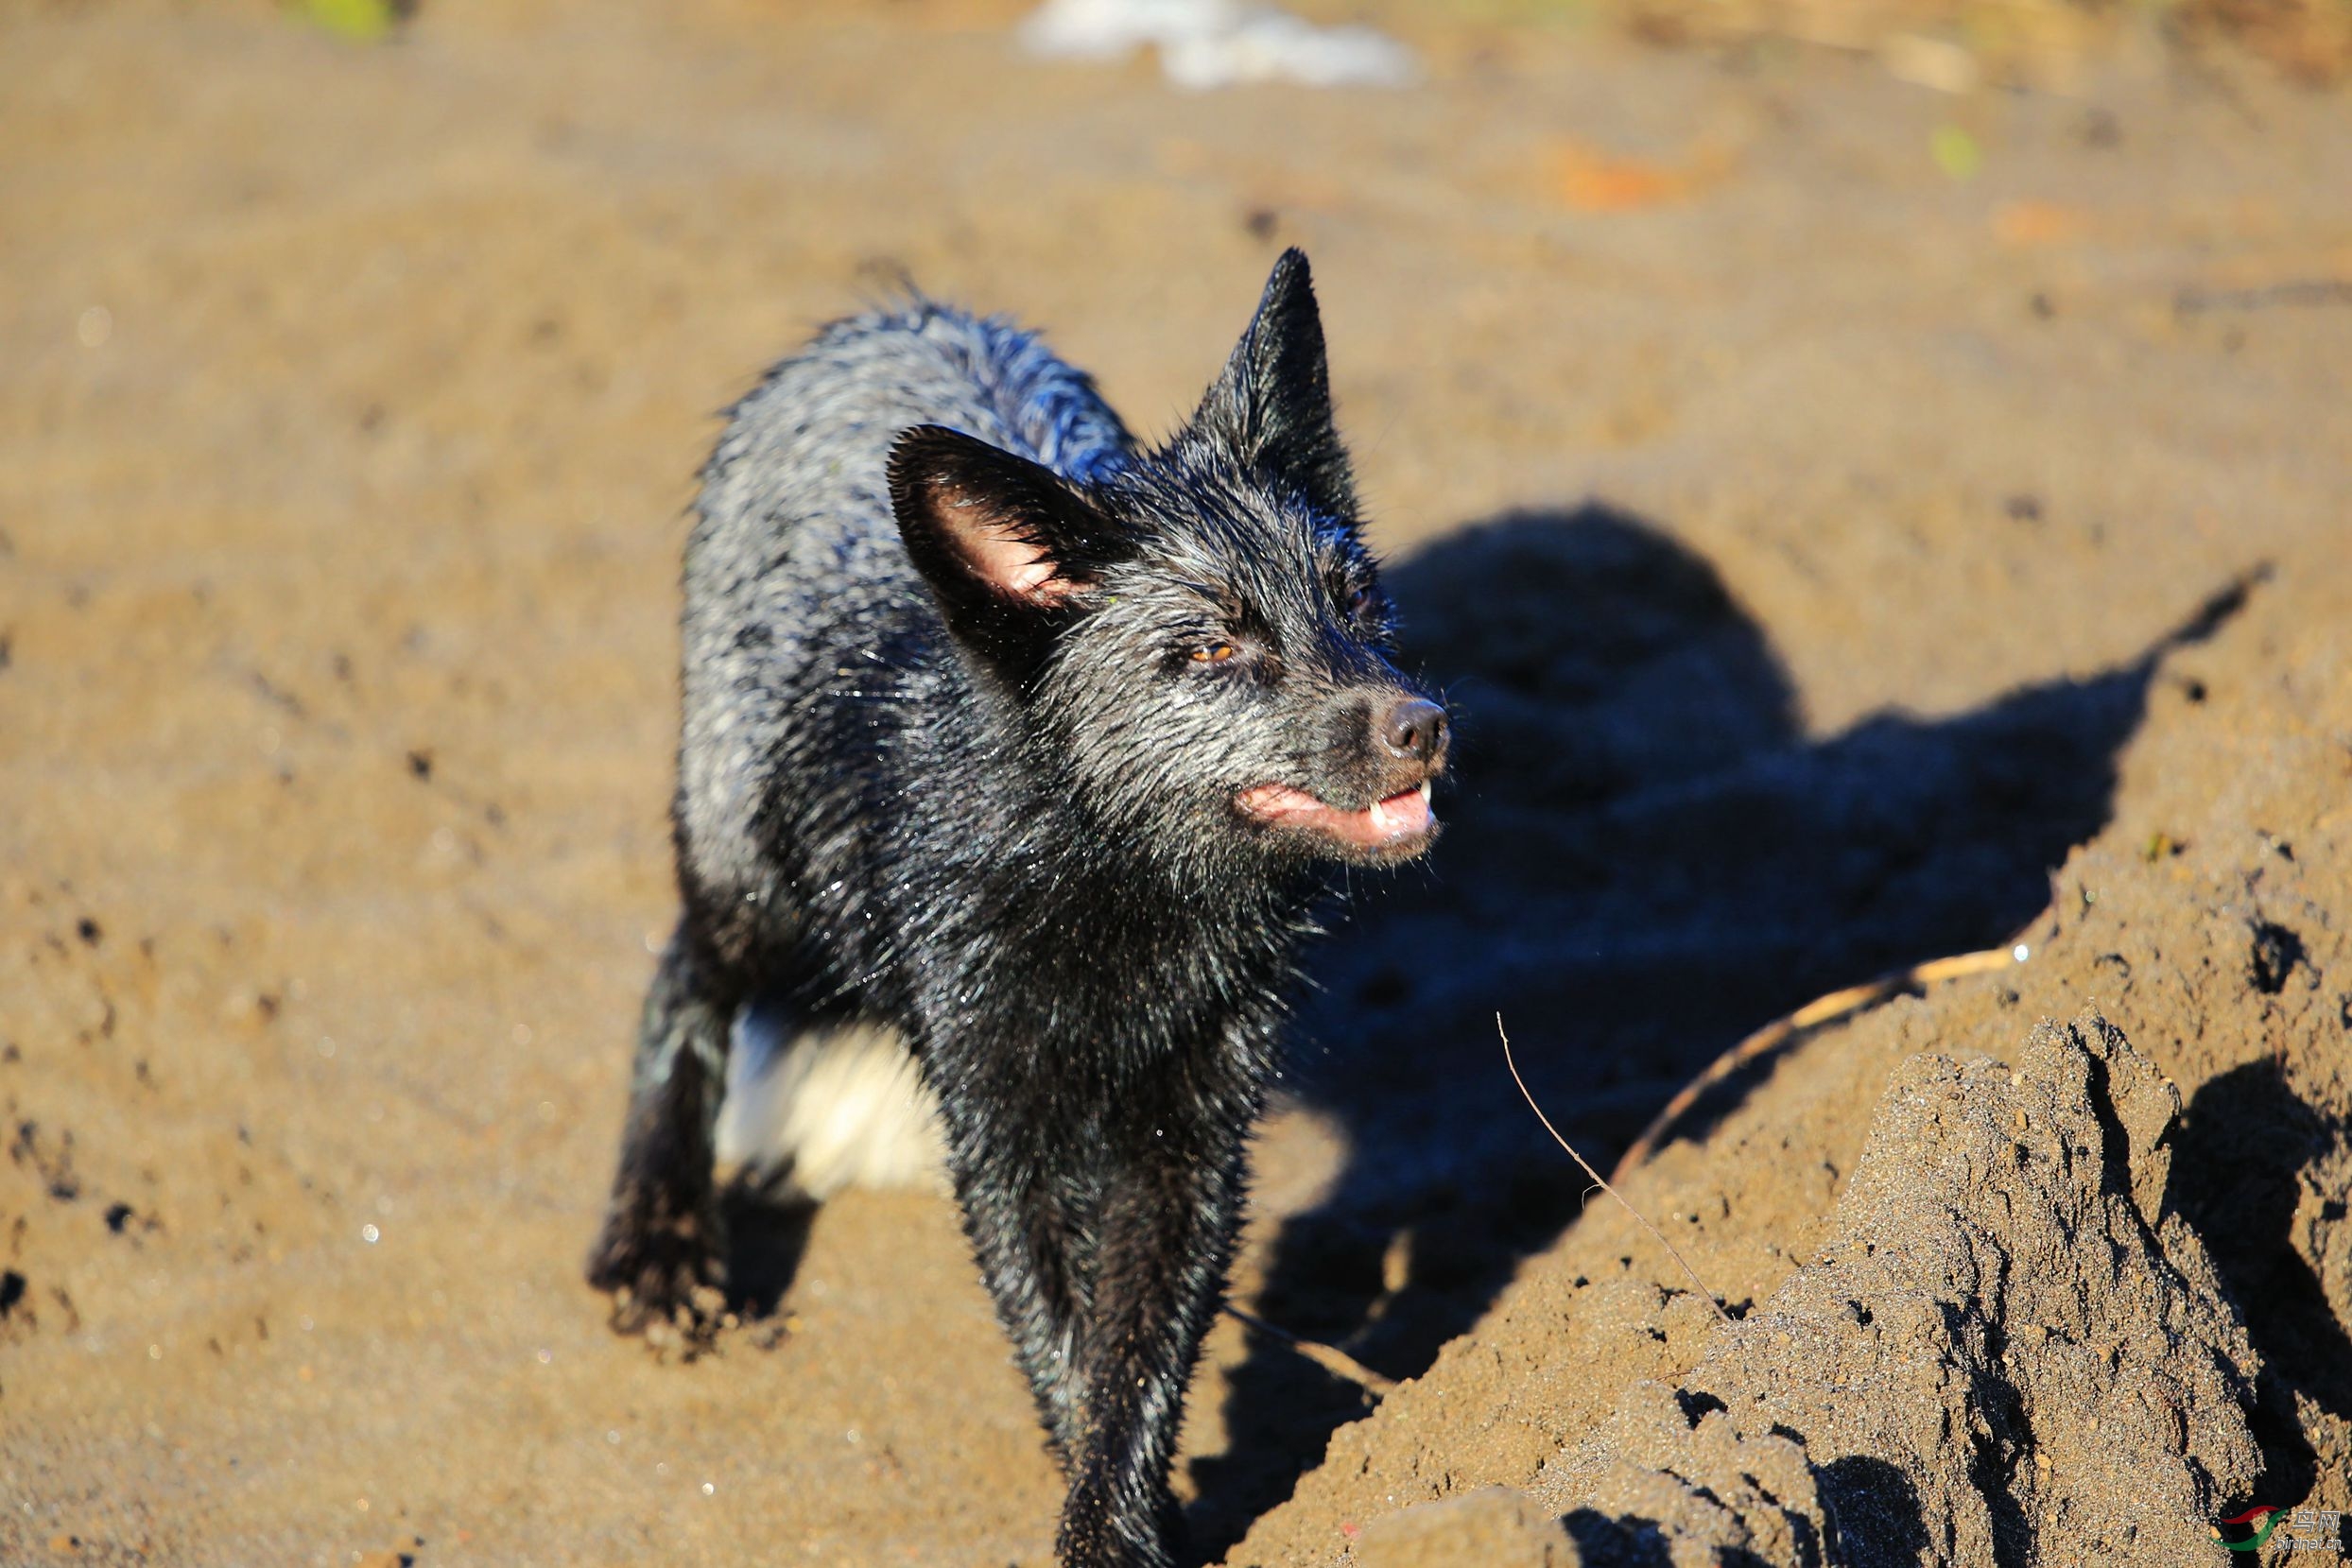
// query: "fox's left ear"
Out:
[1003,542]
[1272,405]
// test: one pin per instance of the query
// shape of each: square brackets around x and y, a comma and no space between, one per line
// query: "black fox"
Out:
[1033,747]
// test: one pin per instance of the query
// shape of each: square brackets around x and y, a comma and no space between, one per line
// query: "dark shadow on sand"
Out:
[1875,1508]
[2236,1176]
[1645,859]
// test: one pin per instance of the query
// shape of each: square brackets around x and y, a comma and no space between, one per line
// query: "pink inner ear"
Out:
[1000,557]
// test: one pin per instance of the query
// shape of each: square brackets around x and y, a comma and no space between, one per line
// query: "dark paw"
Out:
[667,1276]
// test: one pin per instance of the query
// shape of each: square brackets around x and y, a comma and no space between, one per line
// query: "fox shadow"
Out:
[1646,858]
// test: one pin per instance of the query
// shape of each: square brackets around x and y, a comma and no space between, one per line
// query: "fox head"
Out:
[1197,641]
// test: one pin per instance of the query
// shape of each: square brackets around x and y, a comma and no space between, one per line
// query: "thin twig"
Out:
[1692,1273]
[1821,1010]
[1329,1357]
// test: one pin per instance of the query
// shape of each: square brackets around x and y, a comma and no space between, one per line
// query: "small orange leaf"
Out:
[2025,223]
[1592,180]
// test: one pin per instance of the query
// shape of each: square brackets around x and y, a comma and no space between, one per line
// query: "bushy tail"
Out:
[812,1113]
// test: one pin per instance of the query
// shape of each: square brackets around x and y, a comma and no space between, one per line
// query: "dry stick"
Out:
[1836,1005]
[1329,1357]
[1689,1272]
[1822,1011]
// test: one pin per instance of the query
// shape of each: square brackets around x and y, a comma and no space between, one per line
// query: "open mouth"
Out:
[1400,820]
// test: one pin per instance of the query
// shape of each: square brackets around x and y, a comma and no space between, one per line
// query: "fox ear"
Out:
[1272,405]
[1002,541]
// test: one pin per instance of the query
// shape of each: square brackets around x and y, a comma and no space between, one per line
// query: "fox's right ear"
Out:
[1003,542]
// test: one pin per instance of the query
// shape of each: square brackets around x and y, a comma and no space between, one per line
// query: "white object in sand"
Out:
[1207,43]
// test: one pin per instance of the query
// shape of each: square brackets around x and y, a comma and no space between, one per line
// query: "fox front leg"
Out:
[1165,1237]
[1105,1253]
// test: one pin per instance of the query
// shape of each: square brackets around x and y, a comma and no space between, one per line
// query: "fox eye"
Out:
[1360,600]
[1212,653]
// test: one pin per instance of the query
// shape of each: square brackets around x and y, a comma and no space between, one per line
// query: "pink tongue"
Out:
[1399,814]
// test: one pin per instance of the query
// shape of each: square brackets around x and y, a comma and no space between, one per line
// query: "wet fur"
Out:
[956,763]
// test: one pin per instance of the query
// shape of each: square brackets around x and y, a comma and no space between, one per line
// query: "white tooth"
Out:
[1379,818]
[1425,792]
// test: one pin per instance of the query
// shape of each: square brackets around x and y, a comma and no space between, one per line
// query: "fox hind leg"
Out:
[662,1251]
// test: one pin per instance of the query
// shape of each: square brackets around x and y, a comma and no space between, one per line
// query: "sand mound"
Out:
[1884,1378]
[1881,1406]
[2081,1292]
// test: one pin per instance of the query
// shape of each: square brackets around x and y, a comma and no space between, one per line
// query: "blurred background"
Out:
[1800,433]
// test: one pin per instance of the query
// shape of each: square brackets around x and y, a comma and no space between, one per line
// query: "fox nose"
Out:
[1414,728]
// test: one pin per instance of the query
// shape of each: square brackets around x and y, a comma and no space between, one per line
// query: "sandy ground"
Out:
[1812,539]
